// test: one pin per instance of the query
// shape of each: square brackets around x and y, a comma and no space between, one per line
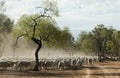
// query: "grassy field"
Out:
[110,69]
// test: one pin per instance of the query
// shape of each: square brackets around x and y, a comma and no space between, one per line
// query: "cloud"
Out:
[16,8]
[89,7]
[84,15]
[87,10]
[79,15]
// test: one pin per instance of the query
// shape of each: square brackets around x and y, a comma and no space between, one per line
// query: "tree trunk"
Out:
[37,58]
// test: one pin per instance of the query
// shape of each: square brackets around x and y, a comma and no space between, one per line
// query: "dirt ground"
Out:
[110,69]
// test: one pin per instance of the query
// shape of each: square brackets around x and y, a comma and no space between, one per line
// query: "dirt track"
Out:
[97,70]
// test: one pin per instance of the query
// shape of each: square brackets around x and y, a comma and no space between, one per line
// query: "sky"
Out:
[78,15]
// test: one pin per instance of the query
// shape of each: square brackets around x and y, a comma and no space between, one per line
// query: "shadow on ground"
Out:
[56,74]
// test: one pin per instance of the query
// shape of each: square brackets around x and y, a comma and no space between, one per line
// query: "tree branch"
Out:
[35,22]
[34,25]
[36,40]
[45,38]
[18,39]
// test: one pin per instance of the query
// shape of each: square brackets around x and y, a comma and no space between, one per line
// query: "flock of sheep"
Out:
[27,64]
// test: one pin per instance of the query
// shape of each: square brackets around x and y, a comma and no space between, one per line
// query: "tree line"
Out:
[104,41]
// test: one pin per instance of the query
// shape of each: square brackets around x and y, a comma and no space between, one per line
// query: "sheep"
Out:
[45,64]
[5,65]
[22,65]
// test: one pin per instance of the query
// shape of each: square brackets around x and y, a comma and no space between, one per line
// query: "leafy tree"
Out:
[102,40]
[81,37]
[110,47]
[116,41]
[86,42]
[66,39]
[5,27]
[39,27]
[5,23]
[100,35]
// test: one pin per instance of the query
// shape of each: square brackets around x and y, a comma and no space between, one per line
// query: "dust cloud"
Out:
[27,50]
